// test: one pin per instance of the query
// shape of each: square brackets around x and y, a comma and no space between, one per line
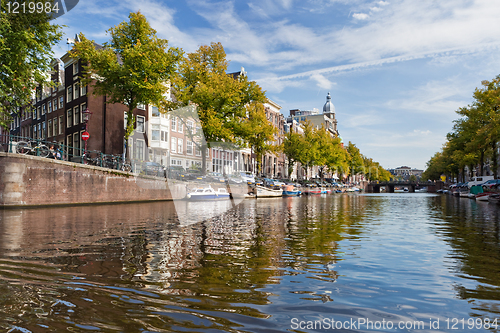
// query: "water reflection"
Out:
[255,268]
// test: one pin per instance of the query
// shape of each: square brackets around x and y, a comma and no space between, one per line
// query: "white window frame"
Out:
[189,147]
[173,144]
[180,126]
[174,124]
[69,94]
[180,146]
[143,127]
[76,116]
[69,114]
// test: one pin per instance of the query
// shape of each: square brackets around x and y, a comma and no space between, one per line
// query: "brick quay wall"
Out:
[34,181]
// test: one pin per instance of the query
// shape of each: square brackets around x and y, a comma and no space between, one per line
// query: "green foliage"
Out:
[258,132]
[474,137]
[292,146]
[220,98]
[26,42]
[133,68]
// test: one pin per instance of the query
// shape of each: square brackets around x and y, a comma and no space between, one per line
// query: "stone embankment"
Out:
[34,181]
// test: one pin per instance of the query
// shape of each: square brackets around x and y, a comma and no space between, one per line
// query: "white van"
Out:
[479,180]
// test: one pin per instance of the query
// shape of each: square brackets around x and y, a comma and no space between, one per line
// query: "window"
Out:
[39,131]
[69,143]
[139,151]
[82,143]
[35,133]
[198,151]
[61,124]
[180,144]
[55,130]
[76,118]
[155,132]
[164,136]
[76,141]
[82,108]
[141,106]
[75,68]
[39,112]
[76,90]
[180,128]
[173,144]
[69,121]
[155,112]
[61,102]
[49,129]
[190,127]
[140,124]
[189,147]
[50,106]
[125,118]
[83,90]
[44,109]
[174,124]
[69,94]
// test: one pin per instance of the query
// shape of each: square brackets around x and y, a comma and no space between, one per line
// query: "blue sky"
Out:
[397,69]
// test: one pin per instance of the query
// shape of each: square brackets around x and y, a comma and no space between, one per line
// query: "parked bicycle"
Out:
[27,148]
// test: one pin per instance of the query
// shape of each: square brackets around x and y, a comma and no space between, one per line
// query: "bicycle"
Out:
[26,148]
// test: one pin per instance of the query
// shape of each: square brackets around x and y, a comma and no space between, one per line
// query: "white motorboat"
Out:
[207,193]
[265,192]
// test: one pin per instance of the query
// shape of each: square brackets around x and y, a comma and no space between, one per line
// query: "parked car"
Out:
[154,169]
[216,177]
[193,174]
[175,172]
[248,177]
[491,183]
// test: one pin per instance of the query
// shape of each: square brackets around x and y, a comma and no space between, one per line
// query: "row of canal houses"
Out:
[60,114]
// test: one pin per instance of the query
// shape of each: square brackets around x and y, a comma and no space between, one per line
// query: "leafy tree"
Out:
[356,164]
[331,155]
[258,132]
[26,41]
[310,154]
[133,68]
[220,98]
[293,145]
[488,99]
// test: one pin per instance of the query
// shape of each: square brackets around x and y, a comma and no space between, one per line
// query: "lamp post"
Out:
[85,135]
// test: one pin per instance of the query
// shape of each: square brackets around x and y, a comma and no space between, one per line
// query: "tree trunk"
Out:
[482,163]
[204,159]
[495,158]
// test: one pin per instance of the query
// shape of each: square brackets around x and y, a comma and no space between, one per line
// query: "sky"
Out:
[397,70]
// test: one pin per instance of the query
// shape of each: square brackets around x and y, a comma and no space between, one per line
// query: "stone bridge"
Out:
[374,187]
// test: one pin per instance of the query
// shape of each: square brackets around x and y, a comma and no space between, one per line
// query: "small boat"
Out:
[265,192]
[291,191]
[483,196]
[208,193]
[494,198]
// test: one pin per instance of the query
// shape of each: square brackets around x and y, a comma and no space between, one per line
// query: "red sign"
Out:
[85,136]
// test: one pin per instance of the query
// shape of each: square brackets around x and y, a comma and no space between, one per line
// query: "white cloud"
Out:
[360,16]
[322,82]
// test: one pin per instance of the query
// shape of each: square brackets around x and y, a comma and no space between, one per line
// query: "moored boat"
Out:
[483,196]
[265,192]
[291,191]
[494,198]
[207,193]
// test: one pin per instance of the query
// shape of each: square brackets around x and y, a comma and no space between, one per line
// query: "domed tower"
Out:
[329,114]
[328,107]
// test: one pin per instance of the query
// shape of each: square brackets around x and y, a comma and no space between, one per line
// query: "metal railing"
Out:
[58,151]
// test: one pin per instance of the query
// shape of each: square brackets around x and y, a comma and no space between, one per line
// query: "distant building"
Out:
[405,172]
[325,119]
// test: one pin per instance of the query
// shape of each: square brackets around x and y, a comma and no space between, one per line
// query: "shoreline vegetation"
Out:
[471,147]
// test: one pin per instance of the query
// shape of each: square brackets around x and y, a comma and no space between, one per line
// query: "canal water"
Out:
[358,263]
